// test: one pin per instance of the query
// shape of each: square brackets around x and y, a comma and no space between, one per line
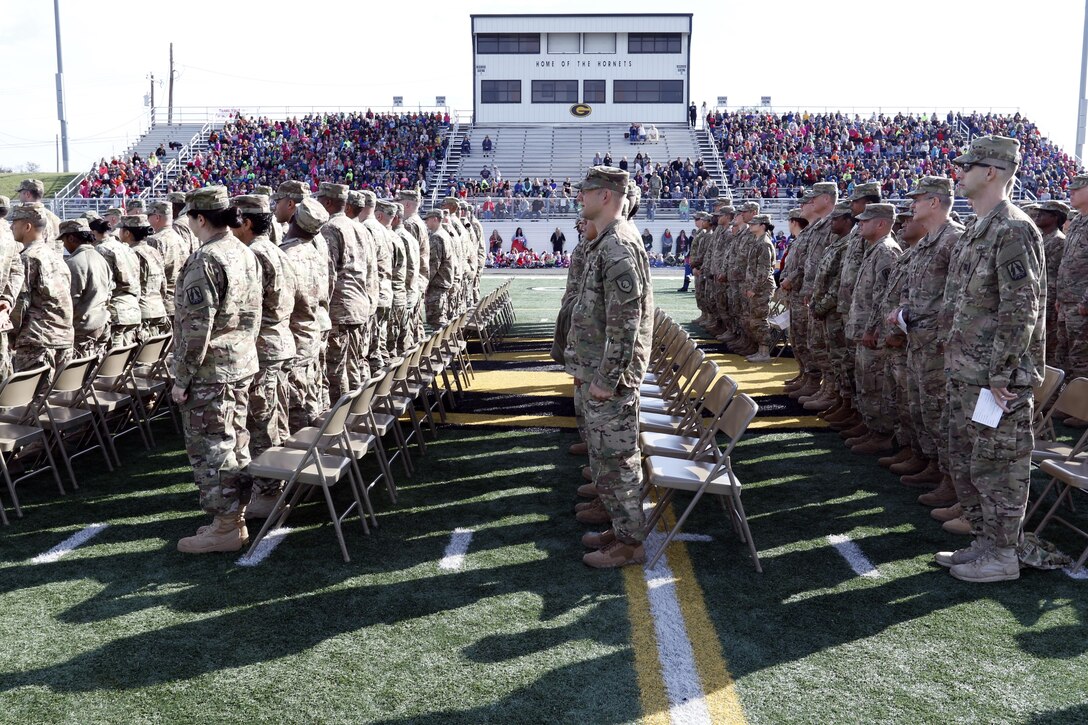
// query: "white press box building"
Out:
[581,68]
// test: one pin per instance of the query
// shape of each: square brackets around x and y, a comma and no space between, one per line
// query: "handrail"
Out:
[443,169]
[186,150]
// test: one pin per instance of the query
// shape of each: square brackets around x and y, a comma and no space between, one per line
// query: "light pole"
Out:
[60,88]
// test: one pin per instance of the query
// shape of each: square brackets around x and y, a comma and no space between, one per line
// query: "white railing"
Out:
[184,154]
[222,114]
[443,170]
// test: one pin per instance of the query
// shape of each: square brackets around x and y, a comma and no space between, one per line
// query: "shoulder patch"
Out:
[1016,270]
[195,295]
[625,282]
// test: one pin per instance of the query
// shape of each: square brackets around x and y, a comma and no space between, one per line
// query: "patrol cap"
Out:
[400,209]
[1079,182]
[90,216]
[296,190]
[31,211]
[135,204]
[903,216]
[760,219]
[605,177]
[701,215]
[369,198]
[329,190]
[749,206]
[869,188]
[160,207]
[823,187]
[176,197]
[842,209]
[408,195]
[355,198]
[451,200]
[1055,206]
[262,190]
[990,148]
[210,198]
[133,221]
[385,206]
[310,216]
[462,205]
[940,185]
[434,214]
[32,185]
[73,226]
[113,211]
[251,204]
[5,203]
[878,210]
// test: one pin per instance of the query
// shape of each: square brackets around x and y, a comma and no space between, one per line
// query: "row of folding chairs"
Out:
[385,418]
[88,404]
[491,319]
[690,420]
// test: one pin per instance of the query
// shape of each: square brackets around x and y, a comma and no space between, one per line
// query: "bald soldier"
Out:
[33,190]
[92,283]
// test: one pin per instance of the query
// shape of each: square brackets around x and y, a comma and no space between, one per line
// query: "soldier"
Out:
[818,237]
[863,325]
[823,307]
[696,253]
[1072,288]
[587,232]
[415,226]
[11,283]
[124,302]
[218,315]
[176,199]
[134,231]
[310,321]
[378,352]
[113,218]
[354,209]
[269,391]
[384,212]
[92,285]
[275,231]
[441,267]
[732,278]
[607,352]
[173,249]
[920,305]
[459,237]
[718,247]
[759,285]
[1050,217]
[349,306]
[413,285]
[42,316]
[996,293]
[136,206]
[31,191]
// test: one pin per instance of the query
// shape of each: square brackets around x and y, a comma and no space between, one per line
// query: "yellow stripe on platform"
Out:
[524,382]
[516,421]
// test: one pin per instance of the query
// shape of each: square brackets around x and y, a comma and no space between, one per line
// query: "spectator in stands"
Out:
[466,148]
[488,208]
[558,240]
[632,133]
[495,242]
[623,163]
[518,243]
[684,207]
[693,114]
[607,158]
[487,145]
[666,242]
[597,159]
[647,240]
[682,244]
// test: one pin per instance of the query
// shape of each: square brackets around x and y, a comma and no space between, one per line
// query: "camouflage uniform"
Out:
[125,299]
[92,284]
[575,273]
[398,282]
[1054,248]
[42,315]
[11,284]
[608,345]
[218,316]
[383,255]
[695,256]
[819,238]
[995,294]
[759,278]
[153,319]
[895,398]
[735,268]
[174,251]
[418,230]
[442,270]
[793,271]
[1072,291]
[823,305]
[413,291]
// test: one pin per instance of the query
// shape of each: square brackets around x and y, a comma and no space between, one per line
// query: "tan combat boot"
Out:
[762,355]
[588,490]
[960,526]
[594,540]
[227,532]
[943,495]
[581,448]
[875,444]
[812,384]
[924,478]
[616,554]
[857,431]
[992,565]
[594,513]
[904,454]
[836,407]
[828,400]
[917,463]
[587,473]
[961,556]
[947,514]
[260,506]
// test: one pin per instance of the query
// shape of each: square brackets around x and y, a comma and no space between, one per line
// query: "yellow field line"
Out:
[518,421]
[651,686]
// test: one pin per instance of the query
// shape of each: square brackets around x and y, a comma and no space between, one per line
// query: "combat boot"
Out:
[858,440]
[993,565]
[588,490]
[927,477]
[227,532]
[835,409]
[827,401]
[761,355]
[615,555]
[592,503]
[581,448]
[820,394]
[725,337]
[856,432]
[594,513]
[947,514]
[1076,423]
[260,506]
[594,540]
[875,444]
[959,526]
[943,495]
[845,417]
[812,384]
[587,473]
[795,382]
[903,455]
[917,463]
[962,556]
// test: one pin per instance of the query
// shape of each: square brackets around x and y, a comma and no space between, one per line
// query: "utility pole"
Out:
[152,93]
[1082,102]
[58,152]
[60,86]
[170,97]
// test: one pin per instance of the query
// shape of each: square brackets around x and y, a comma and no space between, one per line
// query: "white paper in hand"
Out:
[900,321]
[987,411]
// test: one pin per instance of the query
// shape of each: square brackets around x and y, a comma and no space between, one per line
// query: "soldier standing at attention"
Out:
[758,285]
[607,353]
[415,226]
[11,283]
[125,298]
[176,199]
[413,286]
[1072,289]
[384,211]
[134,231]
[997,295]
[31,191]
[92,283]
[171,246]
[43,311]
[269,392]
[1050,216]
[441,267]
[378,352]
[823,308]
[218,316]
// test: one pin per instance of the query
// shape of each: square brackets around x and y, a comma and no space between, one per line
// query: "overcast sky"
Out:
[924,55]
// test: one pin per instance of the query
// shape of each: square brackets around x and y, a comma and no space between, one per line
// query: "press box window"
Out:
[507,43]
[593,91]
[653,42]
[555,91]
[647,91]
[500,91]
[564,42]
[599,43]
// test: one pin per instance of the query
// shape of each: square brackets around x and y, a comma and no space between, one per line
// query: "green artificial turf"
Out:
[53,182]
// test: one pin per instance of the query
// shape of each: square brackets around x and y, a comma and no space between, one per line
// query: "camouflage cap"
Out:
[433,214]
[797,213]
[823,187]
[355,199]
[251,204]
[296,190]
[903,216]
[176,197]
[386,206]
[1055,206]
[210,198]
[161,208]
[262,190]
[408,195]
[90,216]
[701,216]
[462,205]
[870,188]
[33,185]
[310,216]
[877,210]
[451,200]
[136,205]
[329,190]
[634,193]
[31,211]
[369,198]
[1079,182]
[113,211]
[749,206]
[992,148]
[940,185]
[605,177]
[133,221]
[73,226]
[400,209]
[842,209]
[760,219]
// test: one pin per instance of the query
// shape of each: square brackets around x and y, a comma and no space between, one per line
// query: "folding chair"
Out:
[1052,380]
[688,402]
[1073,476]
[676,395]
[72,384]
[401,401]
[20,391]
[702,416]
[312,467]
[1073,401]
[152,381]
[113,396]
[700,476]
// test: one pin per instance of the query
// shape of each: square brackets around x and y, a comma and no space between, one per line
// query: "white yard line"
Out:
[268,544]
[1081,573]
[853,555]
[454,556]
[65,547]
[687,702]
[693,537]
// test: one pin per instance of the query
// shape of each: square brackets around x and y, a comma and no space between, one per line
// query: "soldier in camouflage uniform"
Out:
[459,237]
[864,322]
[310,321]
[1050,217]
[92,283]
[275,231]
[758,285]
[717,250]
[413,223]
[441,267]
[587,231]
[134,231]
[823,307]
[378,349]
[384,212]
[11,283]
[42,316]
[1072,289]
[696,253]
[173,249]
[270,391]
[32,191]
[176,199]
[408,336]
[346,368]
[734,266]
[124,304]
[818,237]
[607,353]
[218,316]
